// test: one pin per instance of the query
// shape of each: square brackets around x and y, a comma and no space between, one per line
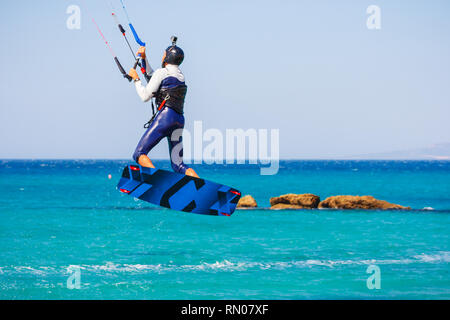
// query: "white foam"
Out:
[443,256]
[226,265]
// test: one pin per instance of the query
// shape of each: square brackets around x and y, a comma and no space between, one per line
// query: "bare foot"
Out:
[192,173]
[145,161]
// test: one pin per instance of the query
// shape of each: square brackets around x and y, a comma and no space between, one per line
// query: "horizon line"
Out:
[281,159]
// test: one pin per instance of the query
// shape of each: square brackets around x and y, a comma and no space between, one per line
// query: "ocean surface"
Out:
[67,233]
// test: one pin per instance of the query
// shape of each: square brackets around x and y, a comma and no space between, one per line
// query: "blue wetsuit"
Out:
[166,84]
[165,123]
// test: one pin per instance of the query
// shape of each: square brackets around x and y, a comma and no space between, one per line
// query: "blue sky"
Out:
[309,68]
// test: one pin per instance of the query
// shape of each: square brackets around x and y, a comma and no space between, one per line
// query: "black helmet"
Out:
[174,54]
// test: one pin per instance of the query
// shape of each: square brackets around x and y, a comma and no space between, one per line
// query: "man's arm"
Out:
[144,64]
[148,69]
[146,92]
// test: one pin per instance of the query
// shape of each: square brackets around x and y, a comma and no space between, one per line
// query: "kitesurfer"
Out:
[167,86]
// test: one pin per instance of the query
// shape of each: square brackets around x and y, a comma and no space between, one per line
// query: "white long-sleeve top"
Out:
[148,91]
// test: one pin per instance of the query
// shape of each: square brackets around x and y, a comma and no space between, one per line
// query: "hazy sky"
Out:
[309,68]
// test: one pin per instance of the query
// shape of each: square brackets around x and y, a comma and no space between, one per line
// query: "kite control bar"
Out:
[122,70]
[123,32]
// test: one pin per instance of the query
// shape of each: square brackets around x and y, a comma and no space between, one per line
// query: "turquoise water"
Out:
[58,214]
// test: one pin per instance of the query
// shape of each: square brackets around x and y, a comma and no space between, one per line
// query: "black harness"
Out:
[168,97]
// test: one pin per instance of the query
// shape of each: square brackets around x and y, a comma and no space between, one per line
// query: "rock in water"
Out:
[357,202]
[247,202]
[295,201]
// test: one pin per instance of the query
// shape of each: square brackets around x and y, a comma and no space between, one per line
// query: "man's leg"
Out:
[150,139]
[175,141]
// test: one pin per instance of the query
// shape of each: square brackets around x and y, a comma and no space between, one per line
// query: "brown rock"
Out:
[281,206]
[247,202]
[295,201]
[357,202]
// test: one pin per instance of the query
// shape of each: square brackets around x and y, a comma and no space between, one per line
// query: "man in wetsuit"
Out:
[168,87]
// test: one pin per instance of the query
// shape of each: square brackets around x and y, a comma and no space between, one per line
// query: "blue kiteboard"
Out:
[178,192]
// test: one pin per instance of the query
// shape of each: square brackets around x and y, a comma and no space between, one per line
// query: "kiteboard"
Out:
[178,191]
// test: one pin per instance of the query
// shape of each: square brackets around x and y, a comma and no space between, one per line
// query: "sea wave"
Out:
[220,266]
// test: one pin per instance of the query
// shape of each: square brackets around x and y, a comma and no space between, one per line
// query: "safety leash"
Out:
[160,108]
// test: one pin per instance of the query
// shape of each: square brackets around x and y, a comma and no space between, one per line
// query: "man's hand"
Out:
[141,53]
[133,74]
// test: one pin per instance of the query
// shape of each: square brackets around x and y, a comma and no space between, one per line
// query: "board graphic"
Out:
[178,192]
